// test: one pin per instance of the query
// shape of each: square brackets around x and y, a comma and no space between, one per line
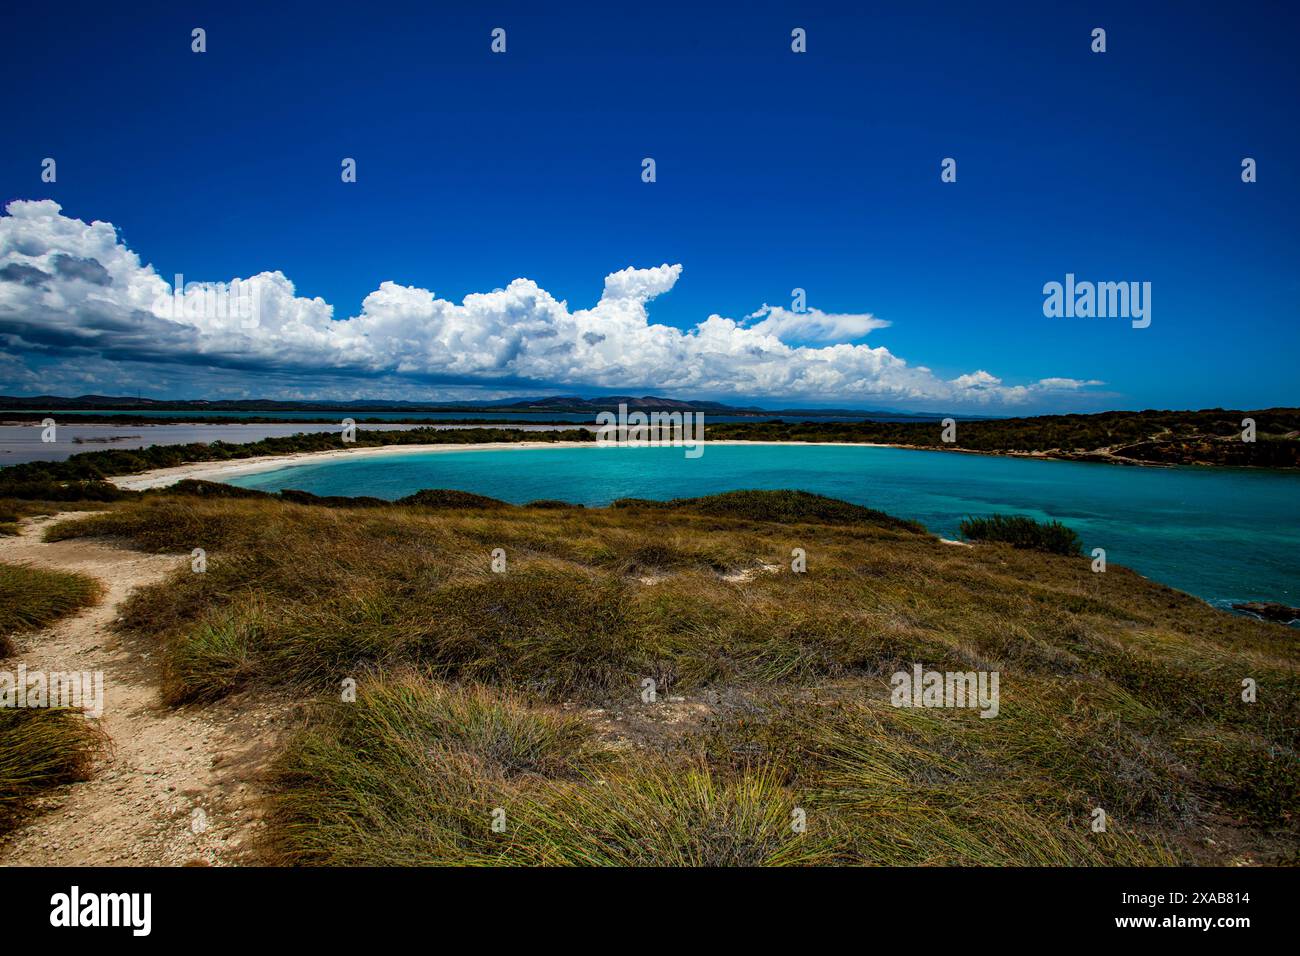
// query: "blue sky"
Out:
[775,170]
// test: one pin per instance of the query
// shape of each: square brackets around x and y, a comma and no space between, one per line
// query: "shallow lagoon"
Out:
[1222,534]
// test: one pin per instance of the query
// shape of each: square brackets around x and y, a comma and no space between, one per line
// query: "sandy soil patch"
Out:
[179,785]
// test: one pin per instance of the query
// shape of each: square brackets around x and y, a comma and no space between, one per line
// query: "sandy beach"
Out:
[220,470]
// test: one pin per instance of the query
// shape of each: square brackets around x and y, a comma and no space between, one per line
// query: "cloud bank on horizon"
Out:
[72,292]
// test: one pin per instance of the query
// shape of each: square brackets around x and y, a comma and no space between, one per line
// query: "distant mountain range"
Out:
[556,403]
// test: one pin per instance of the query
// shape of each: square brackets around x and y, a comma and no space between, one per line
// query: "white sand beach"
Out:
[220,470]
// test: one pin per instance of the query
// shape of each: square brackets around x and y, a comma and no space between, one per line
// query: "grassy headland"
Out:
[1023,532]
[515,696]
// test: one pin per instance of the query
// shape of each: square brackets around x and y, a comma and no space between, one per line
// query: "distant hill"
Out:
[612,402]
[550,403]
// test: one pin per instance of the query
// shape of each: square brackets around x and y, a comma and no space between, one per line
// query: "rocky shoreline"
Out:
[1270,611]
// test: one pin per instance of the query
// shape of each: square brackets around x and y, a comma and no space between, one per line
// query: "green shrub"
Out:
[197,488]
[54,490]
[782,506]
[1021,531]
[450,498]
[332,501]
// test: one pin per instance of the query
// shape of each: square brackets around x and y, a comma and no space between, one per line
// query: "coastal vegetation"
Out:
[1020,531]
[40,748]
[82,471]
[32,598]
[1204,437]
[662,683]
[1207,437]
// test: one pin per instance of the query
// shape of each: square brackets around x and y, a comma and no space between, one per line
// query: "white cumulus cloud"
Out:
[68,288]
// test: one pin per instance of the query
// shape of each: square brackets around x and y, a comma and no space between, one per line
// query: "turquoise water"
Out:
[1222,534]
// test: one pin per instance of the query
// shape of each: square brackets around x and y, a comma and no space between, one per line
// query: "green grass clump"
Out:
[450,498]
[412,772]
[216,657]
[1021,531]
[332,501]
[945,787]
[553,629]
[41,749]
[32,598]
[1253,777]
[198,488]
[669,814]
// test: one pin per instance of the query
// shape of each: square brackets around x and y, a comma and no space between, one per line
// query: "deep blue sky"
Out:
[774,170]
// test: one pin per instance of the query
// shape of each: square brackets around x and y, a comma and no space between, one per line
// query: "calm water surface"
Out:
[22,443]
[1222,534]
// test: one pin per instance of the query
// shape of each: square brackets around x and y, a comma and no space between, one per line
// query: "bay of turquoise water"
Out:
[1222,534]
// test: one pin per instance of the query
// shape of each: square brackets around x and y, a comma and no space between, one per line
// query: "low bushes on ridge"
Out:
[1021,531]
[784,506]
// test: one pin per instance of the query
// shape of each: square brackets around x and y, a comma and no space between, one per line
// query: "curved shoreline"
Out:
[217,470]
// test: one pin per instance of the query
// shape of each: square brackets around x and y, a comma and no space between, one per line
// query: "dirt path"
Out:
[179,785]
